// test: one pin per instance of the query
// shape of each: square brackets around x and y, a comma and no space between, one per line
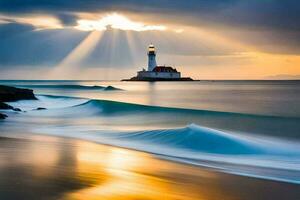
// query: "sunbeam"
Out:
[132,47]
[75,57]
[82,50]
[113,46]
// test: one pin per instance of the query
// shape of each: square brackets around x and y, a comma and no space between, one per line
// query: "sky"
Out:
[107,40]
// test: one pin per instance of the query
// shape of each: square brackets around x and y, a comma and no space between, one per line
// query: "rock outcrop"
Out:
[41,108]
[8,94]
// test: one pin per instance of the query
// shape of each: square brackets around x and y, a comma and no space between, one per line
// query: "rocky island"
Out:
[156,72]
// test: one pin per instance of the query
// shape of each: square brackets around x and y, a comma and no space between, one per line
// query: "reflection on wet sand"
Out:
[58,168]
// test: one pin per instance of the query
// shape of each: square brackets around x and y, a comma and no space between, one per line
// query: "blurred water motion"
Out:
[45,167]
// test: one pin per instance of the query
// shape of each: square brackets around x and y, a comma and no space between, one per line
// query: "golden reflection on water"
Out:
[124,174]
[58,168]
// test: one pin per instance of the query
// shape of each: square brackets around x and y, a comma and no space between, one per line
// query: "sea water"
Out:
[250,128]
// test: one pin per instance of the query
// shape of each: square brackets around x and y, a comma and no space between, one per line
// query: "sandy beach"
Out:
[44,167]
[75,141]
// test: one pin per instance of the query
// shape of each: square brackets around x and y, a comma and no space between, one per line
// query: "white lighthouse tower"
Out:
[151,57]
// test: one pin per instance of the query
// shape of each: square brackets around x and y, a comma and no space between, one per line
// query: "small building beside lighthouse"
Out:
[156,72]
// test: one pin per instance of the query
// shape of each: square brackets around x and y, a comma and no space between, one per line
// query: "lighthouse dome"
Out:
[151,47]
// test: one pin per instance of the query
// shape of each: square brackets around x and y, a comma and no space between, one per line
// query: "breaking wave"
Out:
[215,149]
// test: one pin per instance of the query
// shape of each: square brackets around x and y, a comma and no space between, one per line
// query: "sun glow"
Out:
[116,21]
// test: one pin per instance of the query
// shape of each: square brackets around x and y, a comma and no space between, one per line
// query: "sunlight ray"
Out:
[113,46]
[82,50]
[77,55]
[132,47]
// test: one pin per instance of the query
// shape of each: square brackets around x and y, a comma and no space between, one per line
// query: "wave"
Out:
[116,107]
[197,145]
[195,138]
[78,87]
[220,146]
[121,113]
[48,102]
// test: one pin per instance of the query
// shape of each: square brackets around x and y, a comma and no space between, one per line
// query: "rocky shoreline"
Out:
[9,94]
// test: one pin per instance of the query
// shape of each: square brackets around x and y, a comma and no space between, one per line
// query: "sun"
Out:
[116,21]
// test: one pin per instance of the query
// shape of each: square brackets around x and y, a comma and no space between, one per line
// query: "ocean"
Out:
[247,128]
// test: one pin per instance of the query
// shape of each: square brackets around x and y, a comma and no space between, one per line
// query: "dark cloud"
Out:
[273,14]
[13,29]
[263,14]
[22,45]
[276,42]
[67,19]
[13,6]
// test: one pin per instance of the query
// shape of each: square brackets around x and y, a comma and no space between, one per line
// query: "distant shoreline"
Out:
[33,80]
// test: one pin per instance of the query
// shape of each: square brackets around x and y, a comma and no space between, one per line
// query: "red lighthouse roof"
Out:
[164,69]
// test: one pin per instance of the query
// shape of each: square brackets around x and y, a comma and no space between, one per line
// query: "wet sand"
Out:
[42,167]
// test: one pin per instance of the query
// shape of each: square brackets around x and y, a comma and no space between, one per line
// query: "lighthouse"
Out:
[157,72]
[151,57]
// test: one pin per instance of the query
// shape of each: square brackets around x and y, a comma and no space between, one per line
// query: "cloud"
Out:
[284,77]
[23,45]
[275,14]
[269,20]
[68,19]
[12,29]
[116,21]
[38,21]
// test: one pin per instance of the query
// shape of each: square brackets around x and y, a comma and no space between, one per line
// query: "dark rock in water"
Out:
[8,93]
[17,109]
[5,106]
[40,108]
[2,116]
[111,88]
